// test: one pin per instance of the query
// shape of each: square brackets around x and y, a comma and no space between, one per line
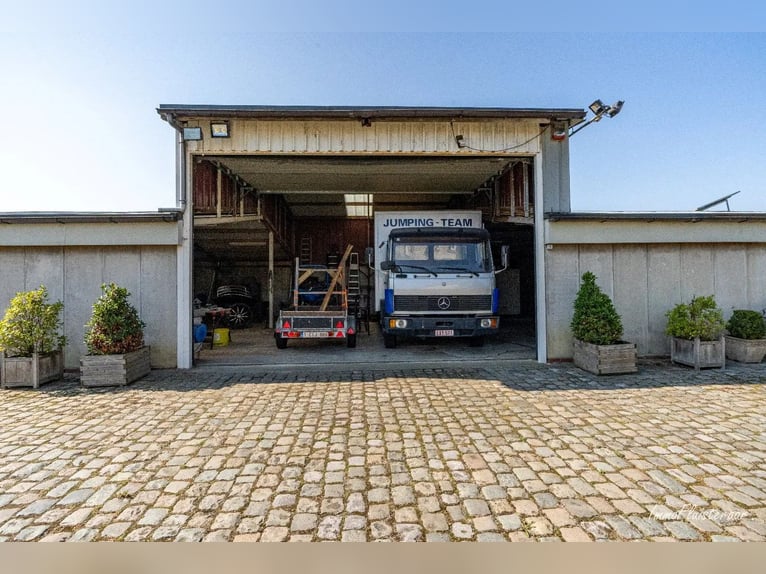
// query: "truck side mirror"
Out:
[504,258]
[386,265]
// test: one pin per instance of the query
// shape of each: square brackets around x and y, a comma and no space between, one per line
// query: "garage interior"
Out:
[312,208]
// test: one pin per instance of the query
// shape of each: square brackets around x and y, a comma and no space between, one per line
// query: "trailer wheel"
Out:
[351,341]
[389,341]
[281,342]
[477,341]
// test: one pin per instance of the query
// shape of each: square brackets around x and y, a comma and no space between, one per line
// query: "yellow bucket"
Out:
[220,337]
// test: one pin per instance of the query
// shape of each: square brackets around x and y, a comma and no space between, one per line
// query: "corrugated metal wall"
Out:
[253,136]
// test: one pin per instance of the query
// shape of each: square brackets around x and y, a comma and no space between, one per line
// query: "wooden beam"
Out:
[337,277]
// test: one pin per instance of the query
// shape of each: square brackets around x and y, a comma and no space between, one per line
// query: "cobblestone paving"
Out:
[514,451]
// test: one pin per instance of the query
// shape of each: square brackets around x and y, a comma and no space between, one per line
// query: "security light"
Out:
[192,134]
[599,111]
[614,109]
[598,107]
[219,129]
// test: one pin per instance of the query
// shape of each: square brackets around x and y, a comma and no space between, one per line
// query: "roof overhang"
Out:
[63,217]
[356,113]
[652,216]
[654,227]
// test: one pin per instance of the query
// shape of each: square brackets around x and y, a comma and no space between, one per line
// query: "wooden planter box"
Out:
[745,350]
[31,371]
[605,359]
[114,370]
[698,354]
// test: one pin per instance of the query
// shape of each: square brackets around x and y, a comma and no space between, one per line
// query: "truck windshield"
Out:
[437,255]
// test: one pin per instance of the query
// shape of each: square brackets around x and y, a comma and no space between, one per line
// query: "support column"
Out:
[541,312]
[271,279]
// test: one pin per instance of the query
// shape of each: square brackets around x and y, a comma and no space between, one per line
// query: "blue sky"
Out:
[81,81]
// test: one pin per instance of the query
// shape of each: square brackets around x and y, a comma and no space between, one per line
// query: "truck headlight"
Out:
[397,323]
[489,323]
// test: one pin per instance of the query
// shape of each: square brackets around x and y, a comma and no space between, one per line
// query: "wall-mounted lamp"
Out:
[460,141]
[192,134]
[366,122]
[599,111]
[558,131]
[219,129]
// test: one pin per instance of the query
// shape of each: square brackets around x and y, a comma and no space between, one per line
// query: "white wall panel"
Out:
[384,137]
[562,282]
[697,271]
[74,275]
[630,293]
[730,262]
[756,272]
[646,281]
[663,292]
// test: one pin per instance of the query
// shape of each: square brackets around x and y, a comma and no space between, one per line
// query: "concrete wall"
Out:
[74,274]
[646,280]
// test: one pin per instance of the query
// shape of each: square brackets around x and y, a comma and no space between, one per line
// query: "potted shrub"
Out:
[597,330]
[30,340]
[115,340]
[746,341]
[696,331]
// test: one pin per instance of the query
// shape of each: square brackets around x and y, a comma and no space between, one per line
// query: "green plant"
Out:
[595,319]
[31,324]
[114,326]
[746,324]
[700,318]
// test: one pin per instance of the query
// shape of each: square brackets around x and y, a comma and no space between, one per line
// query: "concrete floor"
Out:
[255,346]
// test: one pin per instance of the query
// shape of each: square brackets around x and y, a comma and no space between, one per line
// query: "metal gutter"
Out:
[180,111]
[650,216]
[64,217]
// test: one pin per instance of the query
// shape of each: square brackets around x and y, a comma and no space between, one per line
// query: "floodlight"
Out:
[192,134]
[597,107]
[219,129]
[614,109]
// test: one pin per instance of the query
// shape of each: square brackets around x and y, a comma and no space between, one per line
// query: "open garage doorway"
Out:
[255,215]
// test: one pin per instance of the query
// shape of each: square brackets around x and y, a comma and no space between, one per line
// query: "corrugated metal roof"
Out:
[359,112]
[89,217]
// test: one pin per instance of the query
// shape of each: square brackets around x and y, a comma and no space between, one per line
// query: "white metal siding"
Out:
[647,280]
[382,137]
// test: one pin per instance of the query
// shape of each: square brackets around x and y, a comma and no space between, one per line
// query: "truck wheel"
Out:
[477,341]
[389,341]
[281,342]
[351,341]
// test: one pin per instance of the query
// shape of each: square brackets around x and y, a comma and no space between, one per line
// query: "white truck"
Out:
[434,276]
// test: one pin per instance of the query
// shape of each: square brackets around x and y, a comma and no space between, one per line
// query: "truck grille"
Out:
[431,303]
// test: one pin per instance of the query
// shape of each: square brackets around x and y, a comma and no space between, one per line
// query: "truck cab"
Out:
[438,282]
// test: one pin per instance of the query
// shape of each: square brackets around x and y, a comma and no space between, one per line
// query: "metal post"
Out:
[271,280]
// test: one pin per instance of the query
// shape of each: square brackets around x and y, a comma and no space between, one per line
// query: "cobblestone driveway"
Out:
[507,452]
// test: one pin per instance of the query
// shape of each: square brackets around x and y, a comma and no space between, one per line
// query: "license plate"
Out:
[313,334]
[444,333]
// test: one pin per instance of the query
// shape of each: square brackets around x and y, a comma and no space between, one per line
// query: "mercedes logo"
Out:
[443,303]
